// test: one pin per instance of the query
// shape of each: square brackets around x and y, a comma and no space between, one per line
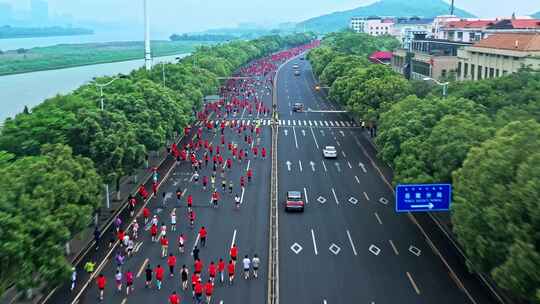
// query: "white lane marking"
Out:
[314,242]
[348,163]
[365,194]
[242,196]
[361,165]
[352,244]
[247,168]
[233,238]
[314,138]
[300,164]
[142,267]
[124,300]
[326,123]
[305,195]
[337,124]
[305,123]
[357,180]
[315,122]
[344,155]
[286,132]
[393,247]
[413,283]
[378,218]
[312,164]
[310,123]
[294,122]
[288,122]
[331,123]
[295,140]
[335,196]
[195,244]
[337,142]
[288,163]
[324,301]
[324,166]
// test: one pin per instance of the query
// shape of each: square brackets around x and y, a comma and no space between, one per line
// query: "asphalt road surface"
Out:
[349,246]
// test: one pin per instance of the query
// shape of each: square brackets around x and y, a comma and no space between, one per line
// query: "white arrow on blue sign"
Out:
[423,197]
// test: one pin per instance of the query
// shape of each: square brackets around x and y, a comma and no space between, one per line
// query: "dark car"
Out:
[298,107]
[294,201]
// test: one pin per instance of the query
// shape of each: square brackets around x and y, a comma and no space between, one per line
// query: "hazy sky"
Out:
[195,15]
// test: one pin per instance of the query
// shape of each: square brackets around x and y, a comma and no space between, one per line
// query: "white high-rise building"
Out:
[375,26]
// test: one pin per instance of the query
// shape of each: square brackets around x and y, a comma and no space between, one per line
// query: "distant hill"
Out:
[536,15]
[398,8]
[7,31]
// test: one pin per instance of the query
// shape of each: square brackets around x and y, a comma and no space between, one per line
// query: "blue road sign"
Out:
[423,197]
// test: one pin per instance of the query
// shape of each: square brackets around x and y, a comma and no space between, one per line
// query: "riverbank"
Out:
[74,55]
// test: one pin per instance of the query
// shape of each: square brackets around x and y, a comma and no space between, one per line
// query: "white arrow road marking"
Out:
[374,249]
[415,250]
[324,166]
[322,132]
[314,242]
[335,249]
[342,133]
[337,166]
[304,132]
[361,165]
[286,132]
[312,164]
[357,180]
[314,138]
[352,244]
[295,140]
[296,248]
[288,163]
[300,164]
[335,196]
[393,247]
[305,195]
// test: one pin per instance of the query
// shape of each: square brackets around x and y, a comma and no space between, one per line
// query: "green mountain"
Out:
[397,8]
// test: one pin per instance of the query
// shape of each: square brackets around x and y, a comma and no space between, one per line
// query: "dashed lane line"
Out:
[378,218]
[305,195]
[335,196]
[366,196]
[352,243]
[142,267]
[393,247]
[314,242]
[413,283]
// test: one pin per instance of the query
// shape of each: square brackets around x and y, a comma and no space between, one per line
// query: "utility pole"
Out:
[147,54]
[452,8]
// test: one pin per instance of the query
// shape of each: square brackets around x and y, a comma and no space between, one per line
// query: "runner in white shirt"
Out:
[173,221]
[154,220]
[135,229]
[129,248]
[255,262]
[181,243]
[247,265]
[237,201]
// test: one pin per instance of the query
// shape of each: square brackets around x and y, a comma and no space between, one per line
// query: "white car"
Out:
[329,152]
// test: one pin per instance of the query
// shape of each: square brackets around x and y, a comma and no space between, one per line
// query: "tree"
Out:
[496,212]
[45,201]
[339,66]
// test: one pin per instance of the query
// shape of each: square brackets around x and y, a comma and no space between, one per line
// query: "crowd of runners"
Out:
[217,146]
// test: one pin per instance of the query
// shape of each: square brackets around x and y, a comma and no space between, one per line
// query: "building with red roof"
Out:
[381,57]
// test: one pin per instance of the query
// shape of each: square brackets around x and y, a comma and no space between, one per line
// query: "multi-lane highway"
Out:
[349,246]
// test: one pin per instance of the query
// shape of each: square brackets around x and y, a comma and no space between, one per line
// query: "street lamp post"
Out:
[443,84]
[101,86]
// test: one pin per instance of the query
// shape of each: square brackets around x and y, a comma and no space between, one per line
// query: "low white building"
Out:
[375,26]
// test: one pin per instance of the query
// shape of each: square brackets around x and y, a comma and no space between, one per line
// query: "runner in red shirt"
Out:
[242,182]
[171,262]
[234,253]
[255,151]
[198,266]
[263,152]
[221,268]
[230,270]
[190,202]
[198,291]
[212,272]
[194,280]
[174,298]
[209,290]
[101,282]
[153,232]
[159,276]
[202,236]
[215,198]
[249,174]
[192,218]
[146,214]
[155,189]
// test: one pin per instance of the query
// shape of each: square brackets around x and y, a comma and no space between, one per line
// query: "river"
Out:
[31,89]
